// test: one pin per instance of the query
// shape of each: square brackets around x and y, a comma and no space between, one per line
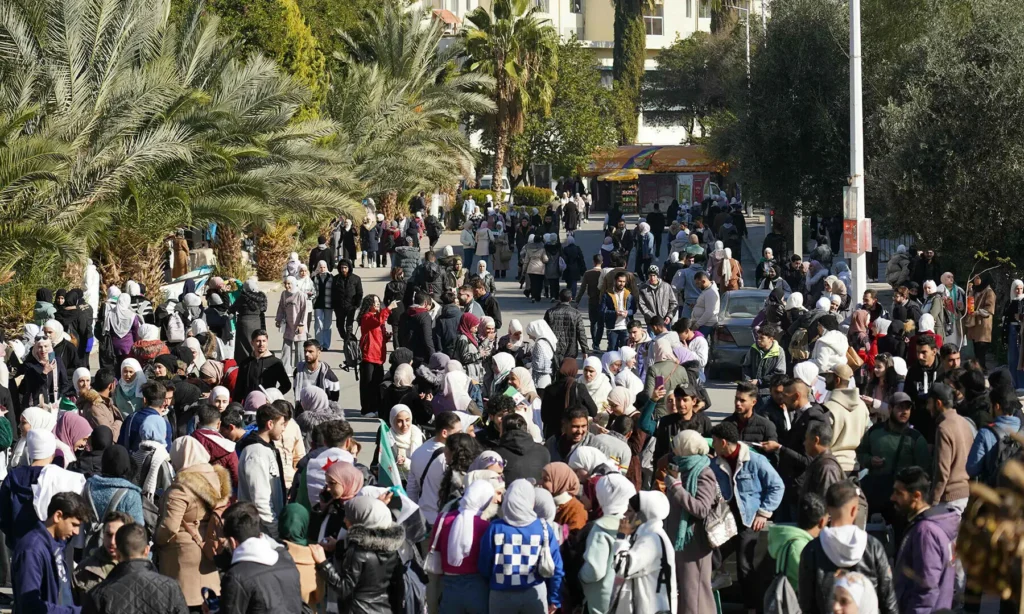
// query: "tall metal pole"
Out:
[857,145]
[748,45]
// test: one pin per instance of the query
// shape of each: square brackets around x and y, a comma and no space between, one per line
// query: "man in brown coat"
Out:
[97,405]
[953,440]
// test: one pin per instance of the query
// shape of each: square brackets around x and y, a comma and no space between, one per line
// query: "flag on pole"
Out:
[388,475]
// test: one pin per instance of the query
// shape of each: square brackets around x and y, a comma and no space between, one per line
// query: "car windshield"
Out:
[744,307]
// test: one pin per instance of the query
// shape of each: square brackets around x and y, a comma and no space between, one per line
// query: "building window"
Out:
[654,20]
[542,5]
[689,8]
[576,6]
[704,9]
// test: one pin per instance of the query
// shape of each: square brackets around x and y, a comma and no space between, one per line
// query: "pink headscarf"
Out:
[255,400]
[350,478]
[72,428]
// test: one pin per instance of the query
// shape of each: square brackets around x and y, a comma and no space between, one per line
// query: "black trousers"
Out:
[657,242]
[981,352]
[743,545]
[536,286]
[552,287]
[345,318]
[371,376]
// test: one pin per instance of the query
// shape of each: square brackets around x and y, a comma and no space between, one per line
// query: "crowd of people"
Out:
[518,467]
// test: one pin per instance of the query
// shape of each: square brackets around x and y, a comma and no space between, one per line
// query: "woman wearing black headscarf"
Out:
[77,321]
[90,462]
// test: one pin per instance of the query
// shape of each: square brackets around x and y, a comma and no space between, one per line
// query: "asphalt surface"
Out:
[513,305]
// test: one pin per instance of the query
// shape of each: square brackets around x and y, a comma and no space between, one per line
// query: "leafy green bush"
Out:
[529,196]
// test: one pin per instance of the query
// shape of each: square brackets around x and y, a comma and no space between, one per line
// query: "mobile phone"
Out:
[51,356]
[659,381]
[754,444]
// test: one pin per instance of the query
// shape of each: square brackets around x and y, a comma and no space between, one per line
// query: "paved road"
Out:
[513,305]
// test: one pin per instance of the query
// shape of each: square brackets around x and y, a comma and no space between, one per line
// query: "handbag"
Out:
[433,561]
[545,564]
[720,524]
[853,359]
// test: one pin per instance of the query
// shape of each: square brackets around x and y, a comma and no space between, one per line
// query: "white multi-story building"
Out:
[592,22]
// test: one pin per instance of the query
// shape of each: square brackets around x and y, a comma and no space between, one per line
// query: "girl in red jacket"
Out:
[373,347]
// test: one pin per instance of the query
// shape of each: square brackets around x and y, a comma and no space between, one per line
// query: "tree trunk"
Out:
[228,248]
[628,66]
[272,248]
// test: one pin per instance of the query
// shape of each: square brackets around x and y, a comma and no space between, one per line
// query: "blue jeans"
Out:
[467,257]
[707,331]
[466,594]
[322,327]
[573,285]
[616,339]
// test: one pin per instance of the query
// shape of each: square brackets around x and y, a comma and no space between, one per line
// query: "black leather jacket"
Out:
[817,577]
[368,575]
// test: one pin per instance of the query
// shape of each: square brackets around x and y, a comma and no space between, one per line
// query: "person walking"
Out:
[373,347]
[250,310]
[322,281]
[346,296]
[567,324]
[291,321]
[979,322]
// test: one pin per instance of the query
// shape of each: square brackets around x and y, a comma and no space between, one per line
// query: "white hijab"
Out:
[133,389]
[518,503]
[456,387]
[461,536]
[600,387]
[121,317]
[539,329]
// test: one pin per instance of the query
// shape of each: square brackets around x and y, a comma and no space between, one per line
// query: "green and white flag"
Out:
[388,472]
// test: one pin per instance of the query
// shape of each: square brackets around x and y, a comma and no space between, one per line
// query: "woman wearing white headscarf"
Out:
[128,393]
[405,436]
[638,559]
[502,364]
[597,574]
[459,534]
[31,418]
[92,287]
[665,365]
[122,324]
[454,394]
[513,341]
[305,286]
[595,382]
[545,343]
[514,537]
[626,377]
[485,275]
[291,321]
[291,268]
[854,594]
[691,486]
[81,379]
[611,363]
[1013,313]
[522,381]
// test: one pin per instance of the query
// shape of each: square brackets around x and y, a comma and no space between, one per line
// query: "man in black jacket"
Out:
[416,329]
[683,415]
[321,252]
[135,586]
[446,326]
[346,295]
[262,577]
[524,458]
[922,375]
[843,545]
[753,428]
[656,220]
[793,458]
[261,369]
[567,323]
[487,301]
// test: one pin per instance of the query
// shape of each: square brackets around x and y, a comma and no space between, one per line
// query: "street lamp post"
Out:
[855,201]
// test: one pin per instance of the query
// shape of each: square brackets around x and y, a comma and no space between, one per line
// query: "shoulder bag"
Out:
[720,524]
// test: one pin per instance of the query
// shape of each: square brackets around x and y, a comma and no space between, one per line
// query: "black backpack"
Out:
[1007,448]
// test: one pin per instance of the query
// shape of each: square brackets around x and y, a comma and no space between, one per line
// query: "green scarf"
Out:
[294,524]
[690,467]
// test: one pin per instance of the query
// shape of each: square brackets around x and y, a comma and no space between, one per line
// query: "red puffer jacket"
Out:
[371,343]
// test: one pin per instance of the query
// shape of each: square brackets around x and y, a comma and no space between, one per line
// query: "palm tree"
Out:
[127,128]
[520,51]
[398,102]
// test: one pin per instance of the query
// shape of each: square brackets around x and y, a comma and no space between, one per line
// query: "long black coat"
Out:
[346,292]
[368,574]
[571,216]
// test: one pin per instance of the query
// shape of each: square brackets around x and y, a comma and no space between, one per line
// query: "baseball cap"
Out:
[843,371]
[900,397]
[653,270]
[942,392]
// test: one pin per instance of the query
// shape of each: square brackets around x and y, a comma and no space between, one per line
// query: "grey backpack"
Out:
[781,598]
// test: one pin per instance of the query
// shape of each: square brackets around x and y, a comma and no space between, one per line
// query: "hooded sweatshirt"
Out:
[262,578]
[261,479]
[787,542]
[924,564]
[850,420]
[40,575]
[220,449]
[17,517]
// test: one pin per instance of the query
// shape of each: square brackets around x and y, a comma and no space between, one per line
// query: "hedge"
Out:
[529,196]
